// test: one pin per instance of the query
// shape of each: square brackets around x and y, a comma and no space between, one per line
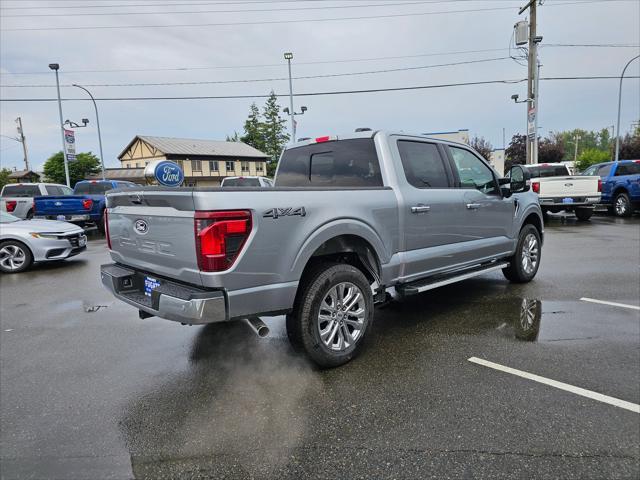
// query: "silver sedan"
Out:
[23,242]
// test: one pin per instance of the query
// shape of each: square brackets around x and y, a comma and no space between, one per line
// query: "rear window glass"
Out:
[628,169]
[58,190]
[343,163]
[548,171]
[21,191]
[241,182]
[422,164]
[97,188]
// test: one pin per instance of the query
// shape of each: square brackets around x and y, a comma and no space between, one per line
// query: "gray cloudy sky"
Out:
[485,109]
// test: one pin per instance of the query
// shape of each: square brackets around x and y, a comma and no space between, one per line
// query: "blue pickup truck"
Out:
[85,207]
[620,185]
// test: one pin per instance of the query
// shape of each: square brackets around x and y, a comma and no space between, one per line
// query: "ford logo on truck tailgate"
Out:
[141,227]
[164,172]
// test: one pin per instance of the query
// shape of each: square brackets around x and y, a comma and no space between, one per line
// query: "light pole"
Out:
[619,106]
[55,67]
[95,106]
[575,155]
[288,56]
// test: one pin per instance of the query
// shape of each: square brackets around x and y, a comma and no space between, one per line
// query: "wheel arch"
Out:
[533,218]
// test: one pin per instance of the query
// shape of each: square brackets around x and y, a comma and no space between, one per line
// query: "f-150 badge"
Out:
[285,212]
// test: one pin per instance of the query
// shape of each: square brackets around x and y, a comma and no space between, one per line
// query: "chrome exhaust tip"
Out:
[258,326]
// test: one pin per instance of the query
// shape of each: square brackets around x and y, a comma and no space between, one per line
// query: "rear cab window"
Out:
[544,171]
[21,191]
[241,182]
[630,168]
[349,163]
[90,188]
[58,190]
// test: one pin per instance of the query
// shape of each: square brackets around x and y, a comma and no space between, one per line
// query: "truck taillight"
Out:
[599,185]
[535,186]
[220,237]
[106,228]
[11,205]
[87,204]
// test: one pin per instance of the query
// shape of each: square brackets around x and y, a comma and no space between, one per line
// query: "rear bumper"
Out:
[575,201]
[170,300]
[67,218]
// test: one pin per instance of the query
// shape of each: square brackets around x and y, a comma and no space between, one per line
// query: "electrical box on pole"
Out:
[521,34]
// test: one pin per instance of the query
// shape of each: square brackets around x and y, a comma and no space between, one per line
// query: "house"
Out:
[24,176]
[204,162]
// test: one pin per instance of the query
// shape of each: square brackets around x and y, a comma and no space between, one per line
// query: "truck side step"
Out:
[420,286]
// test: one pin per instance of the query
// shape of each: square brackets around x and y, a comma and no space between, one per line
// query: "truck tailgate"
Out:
[570,186]
[153,230]
[60,205]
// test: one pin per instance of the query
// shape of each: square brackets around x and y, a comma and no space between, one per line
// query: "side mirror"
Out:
[519,179]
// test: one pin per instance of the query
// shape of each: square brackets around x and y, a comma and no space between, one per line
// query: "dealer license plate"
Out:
[62,218]
[150,284]
[567,200]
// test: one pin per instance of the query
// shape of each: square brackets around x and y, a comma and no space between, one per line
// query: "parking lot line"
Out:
[613,304]
[562,386]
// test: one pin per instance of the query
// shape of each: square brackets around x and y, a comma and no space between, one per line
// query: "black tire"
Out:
[304,324]
[517,271]
[545,215]
[29,215]
[622,205]
[102,228]
[583,213]
[13,248]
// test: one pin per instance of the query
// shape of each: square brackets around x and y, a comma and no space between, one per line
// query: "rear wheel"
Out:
[523,265]
[583,213]
[332,315]
[622,205]
[14,256]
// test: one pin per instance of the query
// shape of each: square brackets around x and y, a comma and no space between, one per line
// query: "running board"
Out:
[441,280]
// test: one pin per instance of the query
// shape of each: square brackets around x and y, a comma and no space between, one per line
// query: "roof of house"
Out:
[22,174]
[190,146]
[118,174]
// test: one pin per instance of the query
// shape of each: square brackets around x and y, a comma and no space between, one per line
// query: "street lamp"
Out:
[71,124]
[289,110]
[95,106]
[55,67]
[619,105]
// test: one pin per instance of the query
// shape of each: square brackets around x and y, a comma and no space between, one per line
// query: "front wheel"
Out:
[524,264]
[583,213]
[622,205]
[333,314]
[14,257]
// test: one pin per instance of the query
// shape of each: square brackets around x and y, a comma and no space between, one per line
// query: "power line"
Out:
[154,4]
[317,94]
[279,22]
[606,45]
[286,9]
[305,77]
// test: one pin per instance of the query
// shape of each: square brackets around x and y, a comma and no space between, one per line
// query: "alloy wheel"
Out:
[530,253]
[621,205]
[12,257]
[341,317]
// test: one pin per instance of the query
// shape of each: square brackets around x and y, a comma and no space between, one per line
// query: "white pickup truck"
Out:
[17,198]
[558,190]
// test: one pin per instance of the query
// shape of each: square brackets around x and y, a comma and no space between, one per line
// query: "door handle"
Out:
[420,209]
[473,206]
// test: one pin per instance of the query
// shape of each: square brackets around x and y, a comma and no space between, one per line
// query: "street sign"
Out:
[70,144]
[531,122]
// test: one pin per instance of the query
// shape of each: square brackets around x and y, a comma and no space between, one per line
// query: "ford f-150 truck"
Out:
[620,185]
[18,198]
[351,220]
[558,190]
[85,207]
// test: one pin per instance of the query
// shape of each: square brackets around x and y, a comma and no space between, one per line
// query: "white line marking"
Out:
[634,407]
[613,304]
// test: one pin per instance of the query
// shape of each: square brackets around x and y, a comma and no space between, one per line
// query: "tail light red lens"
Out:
[599,185]
[87,204]
[106,228]
[535,186]
[11,205]
[220,237]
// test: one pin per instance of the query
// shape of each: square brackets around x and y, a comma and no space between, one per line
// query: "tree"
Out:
[234,138]
[85,165]
[274,131]
[516,152]
[253,129]
[4,176]
[551,150]
[630,146]
[591,156]
[482,146]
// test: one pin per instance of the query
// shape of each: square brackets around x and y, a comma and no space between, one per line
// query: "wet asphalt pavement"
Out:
[90,391]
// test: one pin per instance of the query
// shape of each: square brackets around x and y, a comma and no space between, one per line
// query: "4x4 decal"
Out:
[285,212]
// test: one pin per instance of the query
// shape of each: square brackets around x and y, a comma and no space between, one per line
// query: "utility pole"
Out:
[532,134]
[575,154]
[288,57]
[55,67]
[23,141]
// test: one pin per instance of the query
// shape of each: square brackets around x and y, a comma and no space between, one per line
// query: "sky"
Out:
[223,41]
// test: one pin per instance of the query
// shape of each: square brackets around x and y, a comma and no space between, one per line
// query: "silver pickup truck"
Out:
[351,220]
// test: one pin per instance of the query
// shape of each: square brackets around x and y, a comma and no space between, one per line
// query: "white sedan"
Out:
[23,242]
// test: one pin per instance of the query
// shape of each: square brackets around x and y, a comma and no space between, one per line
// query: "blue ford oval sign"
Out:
[168,174]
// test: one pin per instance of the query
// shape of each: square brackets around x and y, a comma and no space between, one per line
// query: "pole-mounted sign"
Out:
[531,122]
[70,145]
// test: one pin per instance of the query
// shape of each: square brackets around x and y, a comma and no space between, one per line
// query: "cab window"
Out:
[473,172]
[422,164]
